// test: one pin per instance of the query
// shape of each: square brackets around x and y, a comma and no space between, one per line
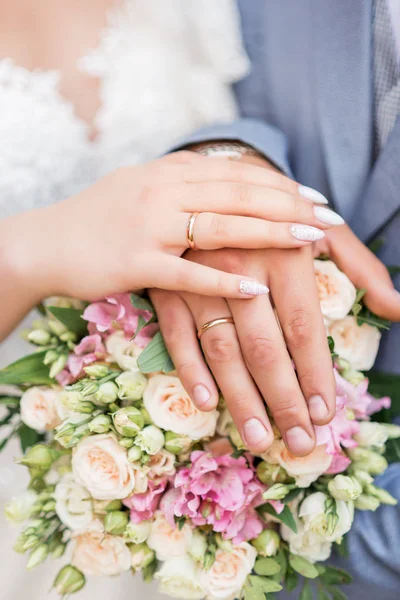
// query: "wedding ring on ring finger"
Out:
[214,323]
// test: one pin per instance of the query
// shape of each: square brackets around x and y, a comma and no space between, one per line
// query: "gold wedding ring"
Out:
[190,230]
[214,323]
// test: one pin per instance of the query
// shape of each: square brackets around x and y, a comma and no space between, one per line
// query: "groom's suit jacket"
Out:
[307,105]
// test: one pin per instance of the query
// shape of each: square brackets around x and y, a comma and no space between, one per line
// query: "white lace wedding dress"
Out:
[165,68]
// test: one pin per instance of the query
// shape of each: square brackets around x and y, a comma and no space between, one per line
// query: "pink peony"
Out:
[143,506]
[220,491]
[114,313]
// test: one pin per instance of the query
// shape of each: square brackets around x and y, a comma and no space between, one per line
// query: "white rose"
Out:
[101,465]
[371,434]
[41,409]
[359,344]
[312,514]
[305,469]
[98,553]
[179,578]
[336,292]
[167,541]
[305,543]
[131,385]
[228,573]
[122,351]
[73,503]
[170,408]
[19,508]
[137,532]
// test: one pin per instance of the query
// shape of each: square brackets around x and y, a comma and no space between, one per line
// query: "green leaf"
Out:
[285,516]
[366,316]
[306,592]
[253,594]
[376,244]
[291,580]
[265,584]
[11,402]
[386,384]
[303,566]
[28,437]
[292,495]
[322,595]
[342,548]
[71,318]
[141,303]
[335,576]
[29,369]
[155,356]
[281,558]
[337,594]
[267,566]
[148,572]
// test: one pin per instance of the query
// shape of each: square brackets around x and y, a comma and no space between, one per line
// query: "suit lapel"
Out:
[343,56]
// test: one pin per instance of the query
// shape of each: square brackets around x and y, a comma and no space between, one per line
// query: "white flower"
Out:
[131,385]
[150,439]
[101,465]
[161,465]
[137,532]
[98,553]
[371,434]
[19,508]
[305,469]
[198,546]
[41,409]
[343,487]
[122,351]
[142,556]
[312,514]
[359,344]
[227,575]
[179,578]
[166,541]
[73,503]
[305,543]
[336,292]
[170,408]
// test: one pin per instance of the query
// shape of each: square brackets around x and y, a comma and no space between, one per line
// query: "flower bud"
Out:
[57,327]
[50,357]
[69,580]
[146,416]
[58,365]
[49,506]
[222,543]
[71,399]
[270,474]
[115,522]
[107,392]
[128,421]
[134,454]
[362,476]
[39,456]
[58,551]
[198,547]
[40,337]
[235,438]
[371,434]
[29,542]
[137,532]
[131,385]
[142,556]
[277,491]
[38,555]
[89,388]
[177,443]
[365,502]
[64,433]
[150,439]
[372,462]
[393,431]
[20,508]
[126,443]
[345,488]
[100,424]
[383,496]
[97,371]
[267,543]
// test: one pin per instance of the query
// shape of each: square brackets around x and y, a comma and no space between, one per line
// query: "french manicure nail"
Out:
[312,195]
[318,409]
[254,432]
[299,441]
[306,233]
[325,215]
[201,395]
[253,288]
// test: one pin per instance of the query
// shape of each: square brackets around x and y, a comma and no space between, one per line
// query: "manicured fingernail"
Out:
[254,433]
[253,288]
[318,409]
[312,195]
[201,395]
[306,233]
[298,440]
[326,215]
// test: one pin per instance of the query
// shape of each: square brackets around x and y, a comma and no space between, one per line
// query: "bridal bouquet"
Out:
[126,474]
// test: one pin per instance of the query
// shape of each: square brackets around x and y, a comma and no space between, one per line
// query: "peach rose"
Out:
[359,344]
[225,579]
[167,541]
[170,408]
[336,292]
[41,409]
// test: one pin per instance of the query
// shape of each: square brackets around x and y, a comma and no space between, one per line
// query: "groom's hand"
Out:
[251,359]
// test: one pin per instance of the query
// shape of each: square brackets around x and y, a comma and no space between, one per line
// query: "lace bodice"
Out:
[165,69]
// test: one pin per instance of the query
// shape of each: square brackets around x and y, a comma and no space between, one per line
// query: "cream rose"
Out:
[336,292]
[305,543]
[122,351]
[227,575]
[167,541]
[304,469]
[170,408]
[73,503]
[41,409]
[98,553]
[101,465]
[359,344]
[179,578]
[312,514]
[161,465]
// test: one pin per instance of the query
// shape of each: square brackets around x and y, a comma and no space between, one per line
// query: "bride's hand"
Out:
[129,230]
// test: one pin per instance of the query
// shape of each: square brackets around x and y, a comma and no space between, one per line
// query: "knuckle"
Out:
[287,409]
[298,331]
[260,351]
[186,370]
[241,194]
[238,403]
[220,350]
[174,333]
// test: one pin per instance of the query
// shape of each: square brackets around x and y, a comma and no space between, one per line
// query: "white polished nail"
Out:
[253,288]
[306,233]
[312,195]
[327,216]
